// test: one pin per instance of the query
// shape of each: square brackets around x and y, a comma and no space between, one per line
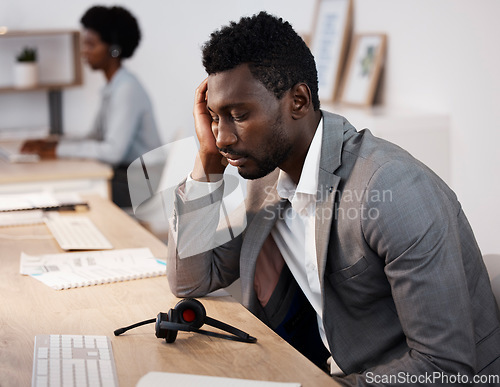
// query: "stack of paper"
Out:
[19,218]
[37,200]
[72,270]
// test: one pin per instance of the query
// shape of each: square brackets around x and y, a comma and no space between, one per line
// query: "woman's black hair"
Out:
[115,26]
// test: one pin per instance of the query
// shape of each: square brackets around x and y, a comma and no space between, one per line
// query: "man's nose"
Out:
[225,134]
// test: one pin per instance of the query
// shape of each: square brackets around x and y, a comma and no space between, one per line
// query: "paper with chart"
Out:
[71,270]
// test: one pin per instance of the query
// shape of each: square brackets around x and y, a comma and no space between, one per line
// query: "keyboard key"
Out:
[43,353]
[77,341]
[89,342]
[104,354]
[67,353]
[43,367]
[42,381]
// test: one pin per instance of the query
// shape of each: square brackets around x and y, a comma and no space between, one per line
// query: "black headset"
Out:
[115,50]
[189,315]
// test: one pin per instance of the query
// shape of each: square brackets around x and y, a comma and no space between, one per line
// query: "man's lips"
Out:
[234,160]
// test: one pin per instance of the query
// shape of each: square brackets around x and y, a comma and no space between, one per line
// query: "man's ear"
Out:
[301,100]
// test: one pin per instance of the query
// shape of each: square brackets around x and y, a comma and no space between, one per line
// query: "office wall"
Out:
[442,57]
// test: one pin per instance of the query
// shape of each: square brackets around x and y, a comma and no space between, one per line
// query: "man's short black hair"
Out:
[115,25]
[277,56]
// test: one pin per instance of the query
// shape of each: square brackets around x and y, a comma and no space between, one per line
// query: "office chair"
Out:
[492,262]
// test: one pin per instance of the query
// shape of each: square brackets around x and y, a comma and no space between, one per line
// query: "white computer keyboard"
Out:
[73,360]
[76,232]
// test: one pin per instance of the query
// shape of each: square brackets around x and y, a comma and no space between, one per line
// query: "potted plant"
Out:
[25,70]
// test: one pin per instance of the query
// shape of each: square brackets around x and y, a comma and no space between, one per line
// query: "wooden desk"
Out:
[61,175]
[28,307]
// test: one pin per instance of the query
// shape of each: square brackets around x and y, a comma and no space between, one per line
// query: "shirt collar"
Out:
[109,86]
[303,195]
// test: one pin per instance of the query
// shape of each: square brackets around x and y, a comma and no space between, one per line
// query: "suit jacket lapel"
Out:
[331,148]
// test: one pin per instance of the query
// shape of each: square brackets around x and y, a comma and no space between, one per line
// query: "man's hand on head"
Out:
[210,164]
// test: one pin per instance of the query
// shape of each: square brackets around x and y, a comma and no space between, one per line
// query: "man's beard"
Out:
[276,151]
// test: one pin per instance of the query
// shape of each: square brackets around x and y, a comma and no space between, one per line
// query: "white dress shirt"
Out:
[124,128]
[295,232]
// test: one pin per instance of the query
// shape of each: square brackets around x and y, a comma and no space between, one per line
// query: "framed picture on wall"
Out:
[363,70]
[332,25]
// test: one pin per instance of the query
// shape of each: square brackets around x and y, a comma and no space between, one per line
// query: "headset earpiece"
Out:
[171,334]
[115,50]
[163,332]
[159,332]
[190,312]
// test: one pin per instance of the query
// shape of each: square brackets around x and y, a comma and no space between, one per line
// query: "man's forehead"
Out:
[234,86]
[239,75]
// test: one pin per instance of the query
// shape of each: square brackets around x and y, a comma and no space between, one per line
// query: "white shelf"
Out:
[59,61]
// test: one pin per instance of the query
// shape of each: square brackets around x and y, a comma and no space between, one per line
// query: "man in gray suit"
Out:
[351,249]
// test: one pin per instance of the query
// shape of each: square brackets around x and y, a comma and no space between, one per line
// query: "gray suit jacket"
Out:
[405,290]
